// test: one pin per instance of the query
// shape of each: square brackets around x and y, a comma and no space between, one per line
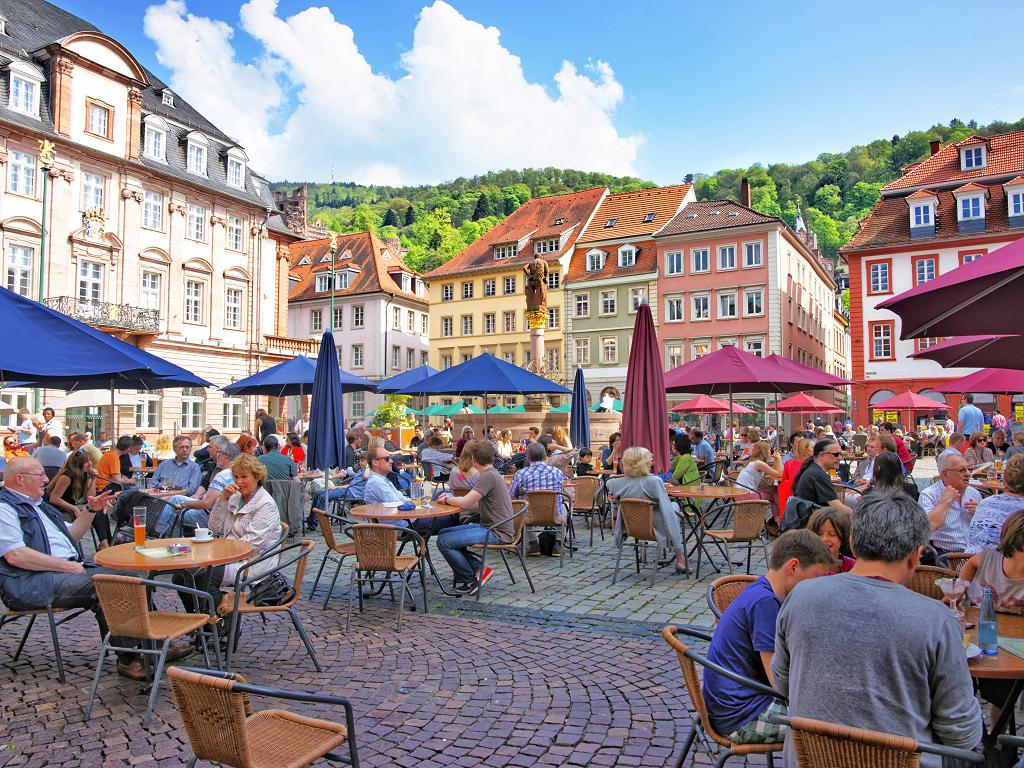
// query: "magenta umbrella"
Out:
[994,381]
[803,403]
[815,379]
[910,401]
[643,415]
[705,404]
[959,302]
[998,351]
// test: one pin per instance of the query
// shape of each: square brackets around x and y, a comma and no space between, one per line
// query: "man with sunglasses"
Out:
[379,490]
[950,504]
[813,482]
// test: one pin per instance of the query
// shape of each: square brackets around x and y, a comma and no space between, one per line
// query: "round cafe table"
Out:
[1002,666]
[687,496]
[989,485]
[204,554]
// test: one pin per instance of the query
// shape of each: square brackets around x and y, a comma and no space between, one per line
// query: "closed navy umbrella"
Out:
[327,418]
[579,418]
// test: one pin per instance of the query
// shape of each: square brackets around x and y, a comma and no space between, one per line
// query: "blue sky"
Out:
[703,85]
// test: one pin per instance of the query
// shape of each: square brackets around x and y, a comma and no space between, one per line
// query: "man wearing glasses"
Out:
[379,490]
[814,482]
[950,504]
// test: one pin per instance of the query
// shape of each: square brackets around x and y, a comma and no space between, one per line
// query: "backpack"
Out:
[798,511]
[273,590]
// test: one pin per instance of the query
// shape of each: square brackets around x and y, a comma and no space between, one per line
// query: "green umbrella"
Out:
[567,408]
[517,409]
[616,406]
[499,409]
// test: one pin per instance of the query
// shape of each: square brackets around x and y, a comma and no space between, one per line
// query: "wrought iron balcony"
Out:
[102,314]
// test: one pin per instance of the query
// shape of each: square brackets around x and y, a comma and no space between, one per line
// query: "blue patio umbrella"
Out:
[485,375]
[292,377]
[327,419]
[400,381]
[579,420]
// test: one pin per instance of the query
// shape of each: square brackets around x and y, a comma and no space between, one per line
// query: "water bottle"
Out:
[987,636]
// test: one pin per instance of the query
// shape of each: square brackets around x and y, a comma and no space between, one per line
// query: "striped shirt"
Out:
[953,534]
[988,520]
[536,477]
[11,537]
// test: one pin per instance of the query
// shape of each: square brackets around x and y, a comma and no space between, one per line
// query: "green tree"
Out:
[410,216]
[390,218]
[364,219]
[829,199]
[482,208]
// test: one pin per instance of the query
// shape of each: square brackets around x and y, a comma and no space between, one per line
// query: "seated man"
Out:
[194,511]
[537,476]
[957,444]
[181,471]
[41,562]
[379,490]
[278,466]
[349,486]
[389,441]
[744,640]
[950,504]
[50,455]
[839,640]
[703,453]
[494,504]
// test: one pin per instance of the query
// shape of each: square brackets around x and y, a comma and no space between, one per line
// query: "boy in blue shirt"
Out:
[744,640]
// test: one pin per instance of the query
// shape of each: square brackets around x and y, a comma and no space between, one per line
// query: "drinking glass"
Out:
[953,589]
[139,523]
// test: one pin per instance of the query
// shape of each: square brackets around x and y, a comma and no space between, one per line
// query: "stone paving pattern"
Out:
[576,674]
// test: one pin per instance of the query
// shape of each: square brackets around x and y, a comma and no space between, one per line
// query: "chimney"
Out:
[935,146]
[745,191]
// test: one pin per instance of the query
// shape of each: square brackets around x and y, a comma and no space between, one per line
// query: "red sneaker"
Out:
[486,575]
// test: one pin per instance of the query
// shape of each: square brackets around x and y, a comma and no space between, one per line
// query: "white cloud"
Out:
[311,101]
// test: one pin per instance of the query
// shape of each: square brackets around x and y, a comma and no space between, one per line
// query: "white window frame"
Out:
[20,268]
[921,215]
[509,357]
[923,262]
[358,405]
[235,171]
[608,298]
[358,358]
[490,287]
[195,223]
[396,357]
[447,291]
[749,293]
[700,260]
[396,318]
[94,190]
[753,248]
[149,289]
[466,325]
[410,321]
[490,322]
[548,245]
[508,321]
[508,285]
[674,262]
[675,352]
[235,240]
[24,81]
[410,358]
[153,211]
[581,350]
[147,411]
[554,279]
[699,348]
[233,299]
[1015,202]
[636,298]
[675,308]
[97,119]
[609,343]
[973,157]
[154,144]
[193,300]
[700,307]
[595,260]
[505,250]
[232,410]
[724,250]
[424,325]
[358,316]
[881,333]
[467,289]
[975,203]
[723,296]
[879,269]
[90,281]
[447,327]
[754,346]
[316,320]
[581,301]
[22,174]
[193,408]
[553,318]
[551,359]
[196,157]
[627,256]
[338,319]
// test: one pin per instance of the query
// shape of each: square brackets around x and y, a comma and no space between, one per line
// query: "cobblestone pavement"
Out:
[574,674]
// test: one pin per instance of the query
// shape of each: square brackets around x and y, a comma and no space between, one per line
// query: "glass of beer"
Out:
[139,522]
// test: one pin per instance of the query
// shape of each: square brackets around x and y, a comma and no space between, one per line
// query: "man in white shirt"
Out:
[957,443]
[301,425]
[950,504]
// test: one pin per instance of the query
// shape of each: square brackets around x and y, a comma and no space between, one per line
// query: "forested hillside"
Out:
[833,191]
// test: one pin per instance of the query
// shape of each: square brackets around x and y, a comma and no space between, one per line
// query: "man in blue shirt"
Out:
[702,450]
[744,640]
[970,419]
[380,490]
[181,471]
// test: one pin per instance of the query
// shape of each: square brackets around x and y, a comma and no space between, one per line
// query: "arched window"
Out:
[881,396]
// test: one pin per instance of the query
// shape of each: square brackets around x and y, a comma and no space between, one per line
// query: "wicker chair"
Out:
[747,528]
[860,442]
[638,524]
[335,549]
[543,508]
[10,616]
[923,580]
[586,503]
[223,728]
[520,510]
[956,561]
[235,604]
[723,590]
[819,744]
[688,660]
[125,606]
[376,550]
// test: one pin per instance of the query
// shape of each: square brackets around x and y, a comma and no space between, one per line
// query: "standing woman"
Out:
[69,489]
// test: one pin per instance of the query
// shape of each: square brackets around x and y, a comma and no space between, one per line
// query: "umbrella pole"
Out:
[113,427]
[732,432]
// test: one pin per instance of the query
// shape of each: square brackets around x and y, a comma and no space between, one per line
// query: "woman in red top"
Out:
[803,448]
[293,448]
[467,436]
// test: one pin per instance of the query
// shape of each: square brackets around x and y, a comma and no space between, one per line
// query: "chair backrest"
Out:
[638,518]
[376,546]
[723,590]
[819,744]
[518,505]
[860,441]
[214,716]
[308,545]
[326,528]
[587,487]
[693,688]
[718,470]
[923,580]
[123,600]
[956,561]
[748,519]
[543,507]
[51,472]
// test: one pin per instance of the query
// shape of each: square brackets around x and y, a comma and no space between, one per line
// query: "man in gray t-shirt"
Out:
[50,455]
[861,649]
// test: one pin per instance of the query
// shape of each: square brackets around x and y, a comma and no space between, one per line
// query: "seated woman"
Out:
[612,452]
[832,526]
[802,449]
[756,470]
[887,476]
[504,444]
[684,466]
[244,511]
[69,489]
[1000,568]
[639,483]
[978,452]
[246,444]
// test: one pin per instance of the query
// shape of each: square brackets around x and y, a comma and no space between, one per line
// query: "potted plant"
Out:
[394,415]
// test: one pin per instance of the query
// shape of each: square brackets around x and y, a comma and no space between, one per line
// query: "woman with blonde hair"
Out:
[803,449]
[757,469]
[560,437]
[504,444]
[164,448]
[639,483]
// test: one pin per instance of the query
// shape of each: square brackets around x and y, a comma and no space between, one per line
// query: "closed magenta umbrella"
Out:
[579,420]
[292,377]
[993,381]
[327,418]
[643,415]
[997,351]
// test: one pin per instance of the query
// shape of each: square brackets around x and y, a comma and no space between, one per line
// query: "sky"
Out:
[393,91]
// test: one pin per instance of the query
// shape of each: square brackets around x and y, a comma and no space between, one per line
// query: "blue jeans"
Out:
[169,523]
[454,543]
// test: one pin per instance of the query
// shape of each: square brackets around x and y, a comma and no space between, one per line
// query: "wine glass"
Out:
[953,588]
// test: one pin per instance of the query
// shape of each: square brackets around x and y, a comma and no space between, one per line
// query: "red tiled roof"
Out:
[971,187]
[629,209]
[889,224]
[373,263]
[1014,182]
[646,261]
[535,219]
[1005,156]
[921,193]
[711,215]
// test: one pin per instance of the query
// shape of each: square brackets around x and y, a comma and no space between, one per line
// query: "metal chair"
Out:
[125,605]
[820,744]
[586,504]
[236,602]
[222,727]
[10,616]
[334,547]
[723,590]
[520,510]
[638,524]
[701,721]
[747,528]
[543,512]
[376,550]
[923,580]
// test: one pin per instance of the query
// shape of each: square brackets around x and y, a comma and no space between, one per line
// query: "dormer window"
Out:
[595,261]
[627,256]
[1015,202]
[970,208]
[922,215]
[505,250]
[155,139]
[236,168]
[3,25]
[549,245]
[25,83]
[167,98]
[972,157]
[196,155]
[922,206]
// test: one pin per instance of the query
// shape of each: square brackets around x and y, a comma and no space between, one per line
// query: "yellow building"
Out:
[477,301]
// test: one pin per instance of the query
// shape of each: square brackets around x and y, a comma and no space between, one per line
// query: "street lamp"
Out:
[46,152]
[334,249]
